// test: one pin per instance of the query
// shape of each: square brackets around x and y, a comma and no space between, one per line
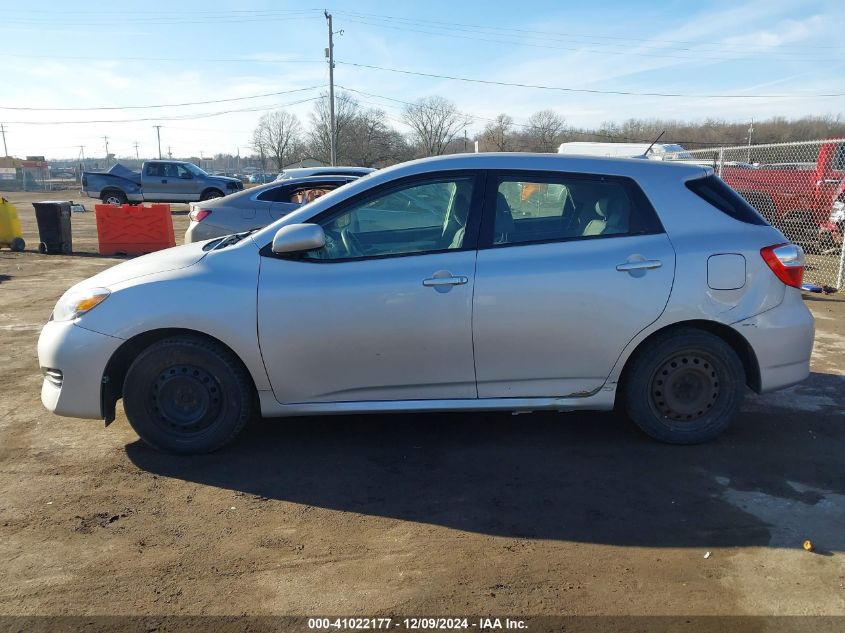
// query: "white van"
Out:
[624,150]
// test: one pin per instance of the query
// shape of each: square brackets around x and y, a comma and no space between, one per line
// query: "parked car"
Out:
[651,285]
[256,207]
[301,172]
[654,151]
[805,201]
[158,181]
[262,178]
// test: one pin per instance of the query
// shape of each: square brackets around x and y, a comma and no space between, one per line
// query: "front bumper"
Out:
[80,356]
[782,340]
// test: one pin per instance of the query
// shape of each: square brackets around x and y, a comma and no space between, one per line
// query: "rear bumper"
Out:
[80,356]
[782,340]
[201,231]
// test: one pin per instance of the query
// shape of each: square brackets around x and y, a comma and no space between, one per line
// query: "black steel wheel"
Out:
[685,387]
[187,395]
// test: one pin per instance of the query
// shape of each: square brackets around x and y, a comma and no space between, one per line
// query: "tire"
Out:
[685,387]
[211,194]
[116,198]
[17,244]
[187,395]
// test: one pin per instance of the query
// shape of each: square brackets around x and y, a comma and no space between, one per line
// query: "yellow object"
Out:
[808,545]
[10,226]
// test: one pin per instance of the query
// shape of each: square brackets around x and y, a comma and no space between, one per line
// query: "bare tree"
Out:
[370,142]
[278,135]
[545,130]
[497,133]
[259,146]
[346,110]
[435,122]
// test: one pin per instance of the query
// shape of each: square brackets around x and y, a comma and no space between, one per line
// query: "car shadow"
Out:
[774,479]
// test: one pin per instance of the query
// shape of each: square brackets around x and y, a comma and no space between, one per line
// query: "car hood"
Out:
[226,179]
[153,263]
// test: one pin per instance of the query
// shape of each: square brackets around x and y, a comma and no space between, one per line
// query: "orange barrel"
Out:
[134,229]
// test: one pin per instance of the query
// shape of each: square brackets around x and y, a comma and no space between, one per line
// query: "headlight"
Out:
[838,214]
[75,304]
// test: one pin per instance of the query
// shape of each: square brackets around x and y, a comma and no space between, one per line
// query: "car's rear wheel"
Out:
[685,387]
[116,198]
[187,395]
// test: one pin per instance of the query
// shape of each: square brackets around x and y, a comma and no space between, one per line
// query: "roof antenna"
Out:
[660,136]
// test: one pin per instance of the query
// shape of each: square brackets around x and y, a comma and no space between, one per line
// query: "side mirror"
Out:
[187,175]
[297,238]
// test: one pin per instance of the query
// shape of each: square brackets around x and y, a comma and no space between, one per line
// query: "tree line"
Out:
[366,137]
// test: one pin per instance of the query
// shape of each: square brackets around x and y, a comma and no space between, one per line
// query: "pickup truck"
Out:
[804,200]
[158,181]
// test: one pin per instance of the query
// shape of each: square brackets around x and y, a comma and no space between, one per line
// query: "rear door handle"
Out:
[445,281]
[646,264]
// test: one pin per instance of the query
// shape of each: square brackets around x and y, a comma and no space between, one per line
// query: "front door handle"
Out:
[646,264]
[164,182]
[445,281]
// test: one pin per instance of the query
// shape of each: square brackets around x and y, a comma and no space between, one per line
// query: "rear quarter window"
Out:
[275,194]
[719,194]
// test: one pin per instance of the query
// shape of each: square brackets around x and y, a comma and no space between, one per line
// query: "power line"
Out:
[160,105]
[615,137]
[589,90]
[698,54]
[543,33]
[246,60]
[580,49]
[184,117]
[164,20]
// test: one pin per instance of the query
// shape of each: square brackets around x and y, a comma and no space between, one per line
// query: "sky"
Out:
[66,61]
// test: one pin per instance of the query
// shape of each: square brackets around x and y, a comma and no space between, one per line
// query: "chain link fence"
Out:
[797,187]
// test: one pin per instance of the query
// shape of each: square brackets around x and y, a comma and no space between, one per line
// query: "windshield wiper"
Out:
[234,239]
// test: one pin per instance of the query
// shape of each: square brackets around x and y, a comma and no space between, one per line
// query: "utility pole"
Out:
[3,132]
[136,151]
[81,162]
[158,136]
[750,132]
[106,139]
[169,153]
[332,126]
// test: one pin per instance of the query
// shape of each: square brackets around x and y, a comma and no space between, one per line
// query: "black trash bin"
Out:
[53,218]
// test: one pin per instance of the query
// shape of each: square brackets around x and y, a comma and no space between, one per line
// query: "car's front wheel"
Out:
[211,194]
[187,395]
[685,387]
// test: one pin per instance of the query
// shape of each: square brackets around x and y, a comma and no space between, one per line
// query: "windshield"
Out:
[676,152]
[196,171]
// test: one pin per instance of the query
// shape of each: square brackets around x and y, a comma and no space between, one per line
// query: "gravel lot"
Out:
[413,514]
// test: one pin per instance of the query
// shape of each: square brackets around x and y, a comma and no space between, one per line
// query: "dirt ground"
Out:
[413,514]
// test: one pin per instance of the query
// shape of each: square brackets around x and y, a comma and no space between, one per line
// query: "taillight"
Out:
[786,262]
[198,215]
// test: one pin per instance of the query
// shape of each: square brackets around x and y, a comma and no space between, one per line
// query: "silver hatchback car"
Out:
[511,282]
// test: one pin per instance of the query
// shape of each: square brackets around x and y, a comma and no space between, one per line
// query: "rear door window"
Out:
[529,208]
[719,194]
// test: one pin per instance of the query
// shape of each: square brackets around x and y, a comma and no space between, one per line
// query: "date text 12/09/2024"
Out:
[416,624]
